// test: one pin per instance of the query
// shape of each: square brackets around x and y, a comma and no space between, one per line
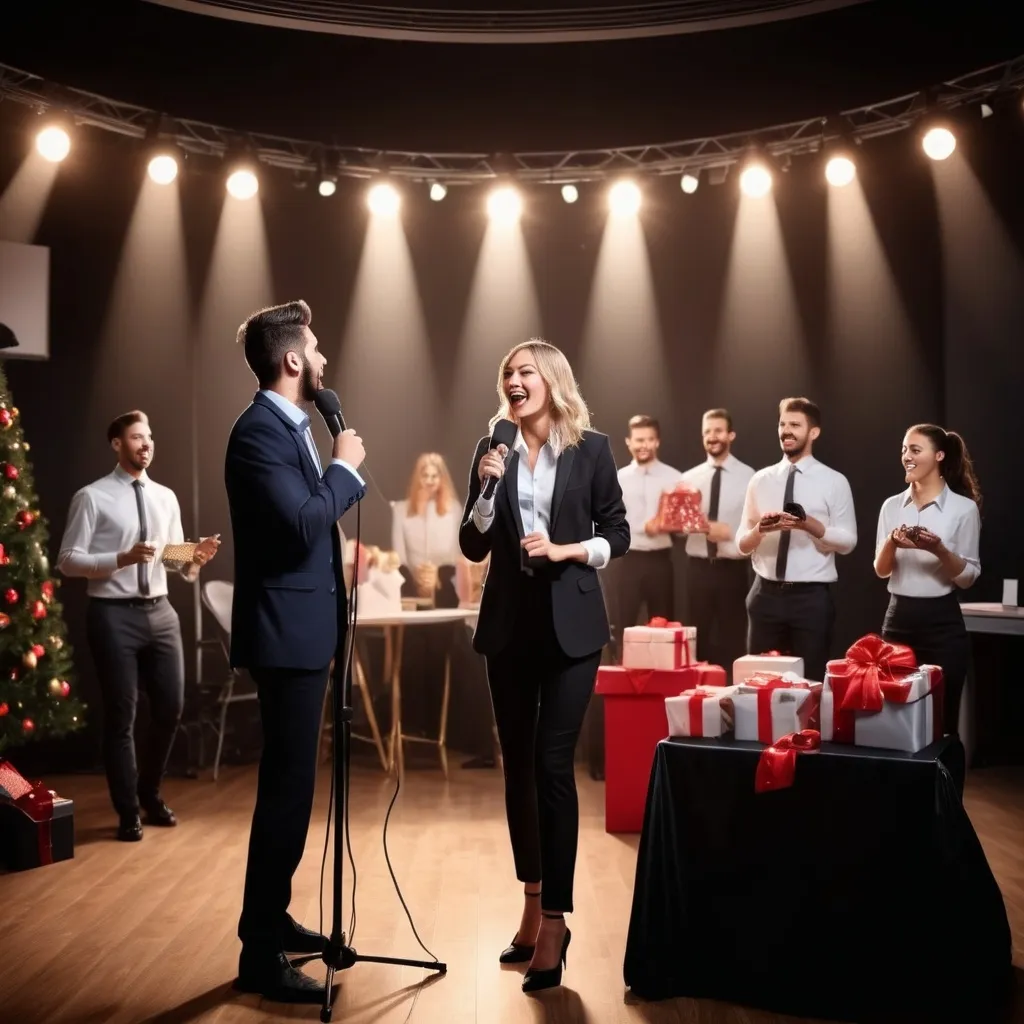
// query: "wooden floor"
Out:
[146,931]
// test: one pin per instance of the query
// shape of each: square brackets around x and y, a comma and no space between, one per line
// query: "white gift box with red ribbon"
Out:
[660,644]
[702,711]
[766,709]
[751,665]
[906,720]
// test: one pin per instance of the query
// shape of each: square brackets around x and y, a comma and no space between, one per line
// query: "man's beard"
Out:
[791,452]
[717,448]
[309,385]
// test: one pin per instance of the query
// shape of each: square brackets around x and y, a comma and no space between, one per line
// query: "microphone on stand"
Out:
[504,432]
[328,404]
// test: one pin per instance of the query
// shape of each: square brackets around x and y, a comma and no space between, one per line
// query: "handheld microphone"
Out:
[504,432]
[329,406]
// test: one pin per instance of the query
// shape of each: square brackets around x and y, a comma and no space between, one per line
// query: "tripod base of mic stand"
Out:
[340,957]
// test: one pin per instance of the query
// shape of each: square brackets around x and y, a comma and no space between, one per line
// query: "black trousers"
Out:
[933,627]
[793,618]
[716,592]
[136,644]
[291,702]
[540,696]
[643,578]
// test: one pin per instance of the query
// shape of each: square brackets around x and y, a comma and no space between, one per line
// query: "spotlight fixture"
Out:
[383,199]
[756,179]
[53,142]
[163,164]
[570,193]
[840,170]
[938,142]
[504,205]
[438,191]
[328,185]
[689,182]
[242,183]
[624,198]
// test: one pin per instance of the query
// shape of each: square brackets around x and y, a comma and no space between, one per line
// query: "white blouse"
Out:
[952,517]
[427,537]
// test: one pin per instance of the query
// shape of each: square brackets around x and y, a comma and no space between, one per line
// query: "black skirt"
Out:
[933,628]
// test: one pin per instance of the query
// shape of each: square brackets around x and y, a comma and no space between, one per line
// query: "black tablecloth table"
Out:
[861,892]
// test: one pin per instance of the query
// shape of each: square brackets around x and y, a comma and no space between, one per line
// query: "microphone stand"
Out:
[338,955]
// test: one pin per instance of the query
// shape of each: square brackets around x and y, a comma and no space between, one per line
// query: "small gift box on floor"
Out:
[679,511]
[771,663]
[702,711]
[36,825]
[634,724]
[659,645]
[766,709]
[878,696]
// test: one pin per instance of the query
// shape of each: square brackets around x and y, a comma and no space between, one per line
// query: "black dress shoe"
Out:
[297,939]
[536,981]
[516,954]
[158,813]
[129,830]
[275,979]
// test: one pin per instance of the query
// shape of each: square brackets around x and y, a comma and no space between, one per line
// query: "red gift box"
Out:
[679,511]
[634,725]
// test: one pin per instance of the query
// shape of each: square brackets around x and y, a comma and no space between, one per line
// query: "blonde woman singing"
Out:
[555,518]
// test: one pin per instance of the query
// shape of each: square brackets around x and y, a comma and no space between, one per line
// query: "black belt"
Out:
[790,584]
[130,602]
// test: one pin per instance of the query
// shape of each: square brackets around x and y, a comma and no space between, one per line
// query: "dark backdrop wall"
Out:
[903,305]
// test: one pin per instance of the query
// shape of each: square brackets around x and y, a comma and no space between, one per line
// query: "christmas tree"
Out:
[35,657]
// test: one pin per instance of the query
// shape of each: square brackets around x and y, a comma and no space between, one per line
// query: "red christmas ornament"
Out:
[3,553]
[11,596]
[3,710]
[47,591]
[65,687]
[11,472]
[6,419]
[25,519]
[38,650]
[5,620]
[38,610]
[28,725]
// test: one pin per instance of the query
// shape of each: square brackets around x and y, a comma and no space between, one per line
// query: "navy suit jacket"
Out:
[290,608]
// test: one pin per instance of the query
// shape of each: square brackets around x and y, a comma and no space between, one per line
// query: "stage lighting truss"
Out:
[989,86]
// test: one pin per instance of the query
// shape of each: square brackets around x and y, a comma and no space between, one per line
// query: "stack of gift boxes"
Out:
[876,696]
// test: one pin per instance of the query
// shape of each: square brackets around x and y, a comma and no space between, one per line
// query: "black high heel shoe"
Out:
[517,953]
[535,981]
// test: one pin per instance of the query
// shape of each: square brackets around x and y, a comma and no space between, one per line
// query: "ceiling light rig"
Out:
[691,161]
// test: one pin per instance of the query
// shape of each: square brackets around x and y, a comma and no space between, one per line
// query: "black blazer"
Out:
[290,608]
[587,502]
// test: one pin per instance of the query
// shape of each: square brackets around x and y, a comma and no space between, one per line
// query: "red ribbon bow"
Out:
[776,767]
[658,622]
[870,662]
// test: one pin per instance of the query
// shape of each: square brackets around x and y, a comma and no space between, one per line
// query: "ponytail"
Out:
[956,467]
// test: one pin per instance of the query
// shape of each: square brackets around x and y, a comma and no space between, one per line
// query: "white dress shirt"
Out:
[825,496]
[952,517]
[642,487]
[104,521]
[536,491]
[427,537]
[731,496]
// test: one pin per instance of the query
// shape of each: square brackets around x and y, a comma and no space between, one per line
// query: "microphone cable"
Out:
[353,617]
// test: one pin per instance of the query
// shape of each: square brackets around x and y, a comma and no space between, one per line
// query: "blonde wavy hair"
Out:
[569,413]
[446,497]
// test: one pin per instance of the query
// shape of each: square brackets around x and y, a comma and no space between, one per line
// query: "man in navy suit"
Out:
[288,622]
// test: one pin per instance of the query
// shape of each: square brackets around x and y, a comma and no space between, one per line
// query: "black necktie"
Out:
[143,569]
[783,557]
[716,493]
